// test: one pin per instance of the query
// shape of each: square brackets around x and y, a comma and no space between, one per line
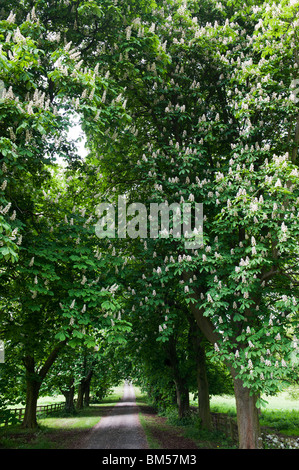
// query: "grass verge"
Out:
[279,424]
[59,430]
[153,443]
[166,431]
[281,414]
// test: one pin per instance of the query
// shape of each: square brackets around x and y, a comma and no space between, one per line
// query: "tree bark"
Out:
[83,391]
[69,397]
[69,400]
[247,417]
[32,391]
[87,389]
[204,410]
[202,379]
[34,380]
[80,397]
[182,390]
[247,411]
[204,323]
[182,393]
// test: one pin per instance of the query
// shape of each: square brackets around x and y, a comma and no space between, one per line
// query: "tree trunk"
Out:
[32,391]
[247,412]
[69,398]
[86,395]
[203,394]
[83,391]
[182,389]
[79,404]
[247,417]
[33,383]
[202,379]
[87,390]
[182,393]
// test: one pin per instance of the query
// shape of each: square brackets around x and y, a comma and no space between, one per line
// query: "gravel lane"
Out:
[121,429]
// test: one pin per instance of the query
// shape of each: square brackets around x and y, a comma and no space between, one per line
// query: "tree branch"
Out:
[51,358]
[205,325]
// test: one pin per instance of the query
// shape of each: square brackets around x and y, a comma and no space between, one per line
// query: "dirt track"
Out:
[121,429]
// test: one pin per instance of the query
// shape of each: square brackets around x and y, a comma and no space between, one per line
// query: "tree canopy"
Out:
[181,103]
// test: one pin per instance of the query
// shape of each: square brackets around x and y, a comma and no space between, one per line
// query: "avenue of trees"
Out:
[181,102]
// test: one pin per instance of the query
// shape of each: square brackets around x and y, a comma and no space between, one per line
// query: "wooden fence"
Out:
[41,409]
[220,421]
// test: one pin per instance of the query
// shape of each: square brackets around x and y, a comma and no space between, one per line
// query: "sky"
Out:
[76,132]
[73,134]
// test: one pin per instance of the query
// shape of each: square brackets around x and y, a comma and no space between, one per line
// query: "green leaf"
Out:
[77,334]
[60,335]
[107,305]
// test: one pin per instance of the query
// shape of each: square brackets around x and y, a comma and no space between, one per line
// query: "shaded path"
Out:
[121,429]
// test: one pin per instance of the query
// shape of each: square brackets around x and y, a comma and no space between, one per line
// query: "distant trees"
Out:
[81,373]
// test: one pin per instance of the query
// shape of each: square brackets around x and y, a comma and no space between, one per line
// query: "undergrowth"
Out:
[192,429]
[284,421]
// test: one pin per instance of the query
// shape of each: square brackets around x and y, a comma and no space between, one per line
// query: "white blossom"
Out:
[128,33]
[3,186]
[11,18]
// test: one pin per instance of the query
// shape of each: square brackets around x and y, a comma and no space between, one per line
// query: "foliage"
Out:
[52,287]
[223,133]
[181,102]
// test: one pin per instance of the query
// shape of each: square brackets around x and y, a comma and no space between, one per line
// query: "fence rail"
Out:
[40,409]
[220,421]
